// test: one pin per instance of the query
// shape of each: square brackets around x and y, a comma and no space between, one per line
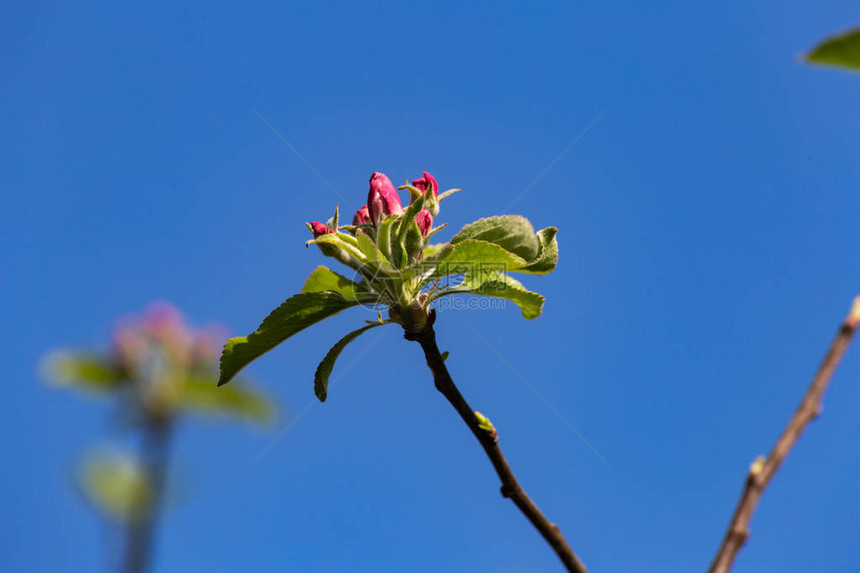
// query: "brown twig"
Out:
[763,469]
[487,438]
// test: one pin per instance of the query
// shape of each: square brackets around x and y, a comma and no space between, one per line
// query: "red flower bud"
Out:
[362,216]
[425,221]
[382,199]
[424,182]
[320,229]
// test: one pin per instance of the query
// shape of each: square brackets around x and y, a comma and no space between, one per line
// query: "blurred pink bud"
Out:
[128,346]
[320,229]
[362,216]
[382,199]
[206,343]
[424,182]
[425,221]
[161,317]
[161,323]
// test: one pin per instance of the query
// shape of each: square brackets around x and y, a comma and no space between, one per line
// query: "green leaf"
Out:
[335,219]
[200,394]
[323,279]
[842,50]
[117,485]
[484,422]
[346,242]
[83,371]
[431,251]
[511,232]
[369,249]
[405,219]
[432,232]
[476,258]
[384,238]
[294,315]
[325,367]
[547,256]
[447,194]
[500,286]
[412,242]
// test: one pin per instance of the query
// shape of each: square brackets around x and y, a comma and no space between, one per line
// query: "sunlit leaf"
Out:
[546,258]
[385,238]
[294,315]
[431,251]
[477,257]
[511,232]
[501,286]
[375,258]
[323,279]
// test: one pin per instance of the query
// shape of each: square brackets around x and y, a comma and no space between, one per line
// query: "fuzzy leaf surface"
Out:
[513,233]
[476,257]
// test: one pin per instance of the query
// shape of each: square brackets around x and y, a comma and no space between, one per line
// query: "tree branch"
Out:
[141,532]
[763,469]
[487,438]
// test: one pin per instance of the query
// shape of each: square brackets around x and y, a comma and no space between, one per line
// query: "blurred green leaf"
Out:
[325,367]
[84,371]
[117,485]
[842,50]
[513,233]
[294,315]
[200,394]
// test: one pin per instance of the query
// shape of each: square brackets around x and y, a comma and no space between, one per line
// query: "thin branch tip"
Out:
[763,468]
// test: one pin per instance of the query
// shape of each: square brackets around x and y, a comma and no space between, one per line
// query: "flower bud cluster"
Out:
[162,328]
[159,349]
[383,200]
[399,233]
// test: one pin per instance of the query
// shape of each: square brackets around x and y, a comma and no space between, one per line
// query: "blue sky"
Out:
[708,251]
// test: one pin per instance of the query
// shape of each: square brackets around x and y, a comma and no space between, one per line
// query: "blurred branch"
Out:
[487,437]
[141,532]
[763,469]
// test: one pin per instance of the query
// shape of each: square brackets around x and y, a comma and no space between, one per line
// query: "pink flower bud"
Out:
[320,229]
[382,199]
[424,182]
[425,221]
[362,216]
